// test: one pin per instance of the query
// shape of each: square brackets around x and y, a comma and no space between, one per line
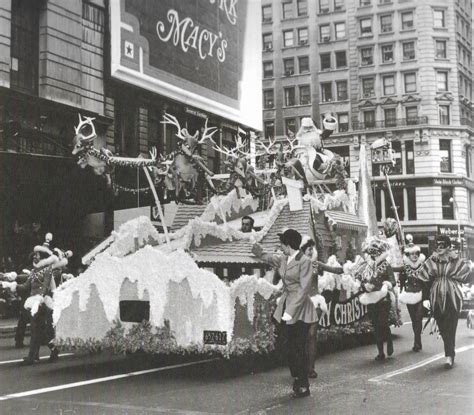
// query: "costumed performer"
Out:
[377,279]
[295,310]
[445,271]
[412,288]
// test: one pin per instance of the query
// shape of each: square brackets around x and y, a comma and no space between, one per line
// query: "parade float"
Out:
[198,288]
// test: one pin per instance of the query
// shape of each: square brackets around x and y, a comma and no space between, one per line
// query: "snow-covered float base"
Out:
[184,302]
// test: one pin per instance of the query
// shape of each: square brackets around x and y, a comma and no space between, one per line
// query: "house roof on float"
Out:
[239,251]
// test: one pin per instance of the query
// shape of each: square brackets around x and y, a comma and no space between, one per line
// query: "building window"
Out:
[325,33]
[366,27]
[441,49]
[377,199]
[268,69]
[340,29]
[368,89]
[411,114]
[445,155]
[407,20]
[268,101]
[386,23]
[468,161]
[266,14]
[305,95]
[366,56]
[409,158]
[323,6]
[390,117]
[269,128]
[365,3]
[369,119]
[408,50]
[338,5]
[341,88]
[288,10]
[448,208]
[325,61]
[388,82]
[326,91]
[438,16]
[444,115]
[290,125]
[267,41]
[341,61]
[409,81]
[303,36]
[387,53]
[399,203]
[290,96]
[303,64]
[288,38]
[397,156]
[411,197]
[289,66]
[302,7]
[24,46]
[343,122]
[441,81]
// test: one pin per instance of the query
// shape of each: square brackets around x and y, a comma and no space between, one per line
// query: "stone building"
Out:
[104,59]
[400,69]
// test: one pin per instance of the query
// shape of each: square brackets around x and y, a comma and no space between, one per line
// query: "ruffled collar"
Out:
[416,264]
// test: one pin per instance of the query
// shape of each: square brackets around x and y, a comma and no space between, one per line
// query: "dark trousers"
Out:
[23,320]
[41,327]
[312,344]
[447,323]
[379,315]
[416,316]
[297,335]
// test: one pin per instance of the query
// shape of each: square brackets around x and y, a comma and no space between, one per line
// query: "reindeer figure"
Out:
[84,141]
[187,164]
[242,174]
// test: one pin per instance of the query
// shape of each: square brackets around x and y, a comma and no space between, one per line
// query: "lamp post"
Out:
[382,154]
[458,219]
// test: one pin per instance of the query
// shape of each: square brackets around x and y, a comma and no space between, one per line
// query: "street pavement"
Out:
[349,382]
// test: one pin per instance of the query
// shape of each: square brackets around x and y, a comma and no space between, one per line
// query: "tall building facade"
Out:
[399,69]
[107,59]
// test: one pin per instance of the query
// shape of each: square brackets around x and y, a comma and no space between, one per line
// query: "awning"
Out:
[345,220]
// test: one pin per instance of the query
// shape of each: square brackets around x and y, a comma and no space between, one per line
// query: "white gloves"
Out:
[427,304]
[388,284]
[369,287]
[286,317]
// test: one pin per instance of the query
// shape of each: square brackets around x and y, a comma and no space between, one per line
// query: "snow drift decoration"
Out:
[229,205]
[184,301]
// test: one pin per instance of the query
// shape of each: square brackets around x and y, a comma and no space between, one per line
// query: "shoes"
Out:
[54,356]
[28,361]
[313,374]
[416,348]
[449,363]
[301,392]
[380,357]
[390,348]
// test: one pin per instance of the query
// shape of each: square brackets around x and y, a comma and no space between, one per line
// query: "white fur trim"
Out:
[388,284]
[278,300]
[320,302]
[32,303]
[410,298]
[10,276]
[47,261]
[374,296]
[48,301]
[10,285]
[44,249]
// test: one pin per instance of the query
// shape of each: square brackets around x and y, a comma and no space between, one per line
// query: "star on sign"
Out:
[129,49]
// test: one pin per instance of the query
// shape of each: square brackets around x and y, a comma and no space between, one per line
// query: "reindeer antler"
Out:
[171,119]
[267,148]
[208,133]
